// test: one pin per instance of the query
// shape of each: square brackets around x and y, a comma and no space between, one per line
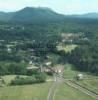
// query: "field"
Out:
[66,48]
[90,84]
[90,81]
[64,92]
[9,78]
[70,72]
[26,92]
[40,91]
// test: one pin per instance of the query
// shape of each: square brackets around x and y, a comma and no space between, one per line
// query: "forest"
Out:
[17,39]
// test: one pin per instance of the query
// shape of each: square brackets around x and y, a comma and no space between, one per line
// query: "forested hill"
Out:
[39,15]
[87,15]
[31,15]
[36,32]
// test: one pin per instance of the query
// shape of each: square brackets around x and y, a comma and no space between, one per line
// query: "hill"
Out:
[88,15]
[40,15]
[29,14]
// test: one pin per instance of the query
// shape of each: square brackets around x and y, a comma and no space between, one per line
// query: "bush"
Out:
[39,78]
[12,68]
[22,81]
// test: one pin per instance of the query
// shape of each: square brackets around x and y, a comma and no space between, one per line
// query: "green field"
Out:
[26,92]
[40,91]
[64,92]
[70,72]
[9,78]
[67,48]
[90,84]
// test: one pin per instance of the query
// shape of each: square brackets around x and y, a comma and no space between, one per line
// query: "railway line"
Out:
[79,87]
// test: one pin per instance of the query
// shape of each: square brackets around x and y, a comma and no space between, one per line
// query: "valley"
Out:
[54,57]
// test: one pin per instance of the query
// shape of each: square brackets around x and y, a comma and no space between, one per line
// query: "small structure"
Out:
[30,62]
[48,63]
[31,67]
[9,50]
[58,69]
[80,76]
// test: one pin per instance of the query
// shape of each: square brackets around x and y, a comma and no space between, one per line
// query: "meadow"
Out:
[25,92]
[66,48]
[64,92]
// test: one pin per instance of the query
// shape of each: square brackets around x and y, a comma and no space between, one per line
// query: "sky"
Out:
[60,6]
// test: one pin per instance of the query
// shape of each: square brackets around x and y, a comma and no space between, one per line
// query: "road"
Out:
[53,89]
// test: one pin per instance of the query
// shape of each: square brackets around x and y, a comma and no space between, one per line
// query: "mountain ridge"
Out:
[39,14]
[30,14]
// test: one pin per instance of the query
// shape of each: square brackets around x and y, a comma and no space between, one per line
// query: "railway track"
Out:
[79,87]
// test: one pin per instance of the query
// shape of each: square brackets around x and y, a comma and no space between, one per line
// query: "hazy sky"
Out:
[61,6]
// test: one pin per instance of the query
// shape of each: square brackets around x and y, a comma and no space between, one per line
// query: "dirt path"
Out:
[58,78]
[53,89]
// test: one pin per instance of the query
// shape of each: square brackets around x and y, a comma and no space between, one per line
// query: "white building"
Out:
[80,76]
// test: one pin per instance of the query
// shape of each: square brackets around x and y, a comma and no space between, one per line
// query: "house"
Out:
[58,69]
[32,67]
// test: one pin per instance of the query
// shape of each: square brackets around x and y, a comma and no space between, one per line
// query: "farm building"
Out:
[32,67]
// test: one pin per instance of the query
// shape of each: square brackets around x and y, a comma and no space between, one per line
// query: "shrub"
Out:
[38,78]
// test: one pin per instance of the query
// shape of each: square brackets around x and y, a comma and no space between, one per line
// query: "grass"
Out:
[50,78]
[64,92]
[26,92]
[8,78]
[90,84]
[67,48]
[40,91]
[69,72]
